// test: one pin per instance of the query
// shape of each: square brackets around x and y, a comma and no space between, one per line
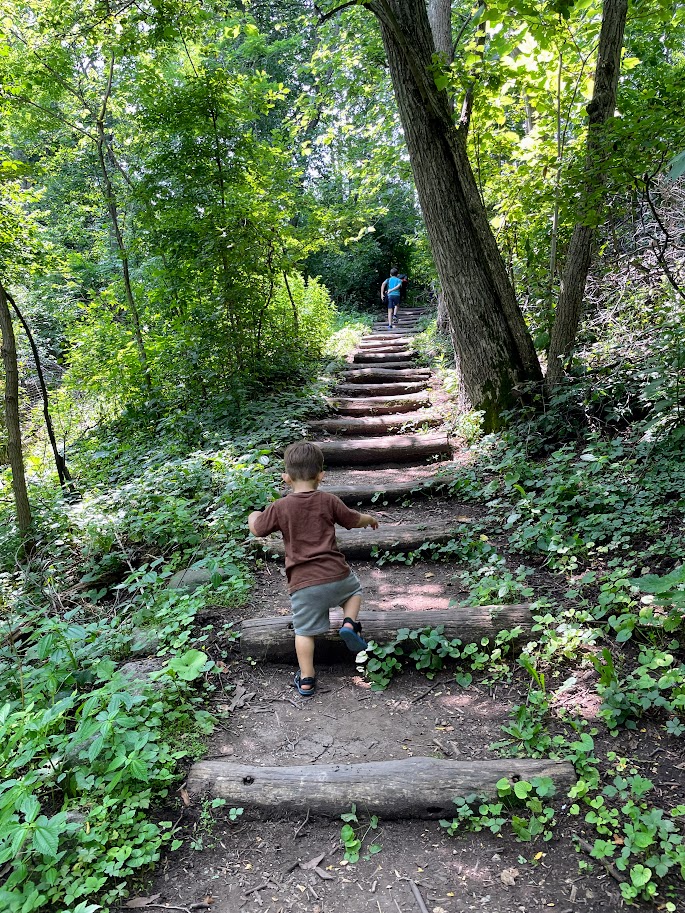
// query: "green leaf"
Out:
[46,837]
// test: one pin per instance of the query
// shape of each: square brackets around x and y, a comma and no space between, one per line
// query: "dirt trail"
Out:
[253,864]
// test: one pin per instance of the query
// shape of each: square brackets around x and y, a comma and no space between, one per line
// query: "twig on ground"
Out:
[417,894]
[423,694]
[299,828]
[259,887]
[587,848]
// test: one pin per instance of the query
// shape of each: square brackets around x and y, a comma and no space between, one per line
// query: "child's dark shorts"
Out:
[310,605]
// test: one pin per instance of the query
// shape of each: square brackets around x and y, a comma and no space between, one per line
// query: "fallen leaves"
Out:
[509,876]
[314,865]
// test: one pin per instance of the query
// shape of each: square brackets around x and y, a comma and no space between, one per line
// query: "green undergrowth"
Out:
[580,512]
[91,755]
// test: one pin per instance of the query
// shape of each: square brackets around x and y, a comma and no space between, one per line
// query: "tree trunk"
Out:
[407,788]
[494,350]
[272,638]
[15,454]
[579,256]
[63,473]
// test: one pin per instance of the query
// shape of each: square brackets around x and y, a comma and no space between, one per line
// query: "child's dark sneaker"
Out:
[351,634]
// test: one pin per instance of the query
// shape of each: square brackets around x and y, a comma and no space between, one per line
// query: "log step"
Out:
[273,638]
[385,375]
[377,340]
[388,449]
[360,493]
[381,389]
[374,424]
[364,543]
[408,788]
[379,357]
[379,405]
[398,365]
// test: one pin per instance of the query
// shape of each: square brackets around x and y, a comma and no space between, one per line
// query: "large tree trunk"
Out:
[16,457]
[494,350]
[578,258]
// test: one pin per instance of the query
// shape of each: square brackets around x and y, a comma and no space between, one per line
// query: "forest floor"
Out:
[296,863]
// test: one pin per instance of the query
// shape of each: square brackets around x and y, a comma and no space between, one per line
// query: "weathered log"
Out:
[388,335]
[384,375]
[273,638]
[387,491]
[374,424]
[388,449]
[382,389]
[374,344]
[380,340]
[379,405]
[403,365]
[363,543]
[378,357]
[407,788]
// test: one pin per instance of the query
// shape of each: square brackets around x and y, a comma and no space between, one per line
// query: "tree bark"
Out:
[494,350]
[408,788]
[579,256]
[272,638]
[63,473]
[14,449]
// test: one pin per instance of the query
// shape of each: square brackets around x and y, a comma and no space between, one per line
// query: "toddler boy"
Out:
[318,575]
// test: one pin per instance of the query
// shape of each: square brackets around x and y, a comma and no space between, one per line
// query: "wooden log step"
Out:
[379,357]
[371,341]
[272,639]
[362,543]
[408,788]
[388,449]
[385,375]
[379,405]
[381,389]
[389,366]
[388,491]
[379,337]
[374,424]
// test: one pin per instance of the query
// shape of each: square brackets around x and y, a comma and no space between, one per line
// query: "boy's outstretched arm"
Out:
[366,520]
[251,521]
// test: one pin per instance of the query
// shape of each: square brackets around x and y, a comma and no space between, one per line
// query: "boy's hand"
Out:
[251,519]
[367,520]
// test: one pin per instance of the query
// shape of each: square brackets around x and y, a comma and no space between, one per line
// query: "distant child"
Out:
[392,288]
[318,575]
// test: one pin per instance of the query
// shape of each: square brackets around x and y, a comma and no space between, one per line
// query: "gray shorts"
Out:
[310,605]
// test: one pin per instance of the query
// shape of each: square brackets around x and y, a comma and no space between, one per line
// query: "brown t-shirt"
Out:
[307,520]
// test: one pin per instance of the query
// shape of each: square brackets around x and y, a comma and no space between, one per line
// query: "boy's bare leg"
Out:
[389,317]
[304,647]
[351,609]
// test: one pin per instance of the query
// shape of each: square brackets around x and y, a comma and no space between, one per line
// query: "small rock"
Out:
[509,876]
[496,857]
[195,576]
[144,642]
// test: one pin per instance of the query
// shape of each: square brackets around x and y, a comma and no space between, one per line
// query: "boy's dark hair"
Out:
[303,461]
[394,271]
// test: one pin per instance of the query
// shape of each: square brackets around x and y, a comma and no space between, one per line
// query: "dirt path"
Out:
[254,864]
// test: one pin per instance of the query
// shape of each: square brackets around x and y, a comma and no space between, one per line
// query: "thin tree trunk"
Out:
[494,350]
[60,463]
[16,456]
[112,208]
[440,18]
[578,258]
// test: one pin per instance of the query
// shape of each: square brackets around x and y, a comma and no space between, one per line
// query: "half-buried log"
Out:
[273,639]
[364,543]
[407,788]
[379,405]
[385,375]
[379,357]
[403,365]
[388,449]
[382,389]
[374,424]
[379,340]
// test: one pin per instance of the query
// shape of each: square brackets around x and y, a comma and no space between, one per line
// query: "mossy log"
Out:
[414,788]
[382,389]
